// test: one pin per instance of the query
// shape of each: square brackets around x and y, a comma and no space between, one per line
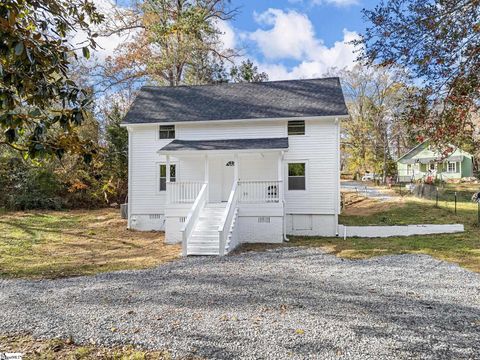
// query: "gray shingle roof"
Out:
[276,99]
[231,144]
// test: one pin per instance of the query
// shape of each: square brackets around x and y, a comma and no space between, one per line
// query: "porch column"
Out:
[281,185]
[206,174]
[235,169]
[167,169]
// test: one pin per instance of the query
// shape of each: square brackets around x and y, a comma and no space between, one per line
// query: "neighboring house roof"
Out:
[415,150]
[232,144]
[238,101]
[422,154]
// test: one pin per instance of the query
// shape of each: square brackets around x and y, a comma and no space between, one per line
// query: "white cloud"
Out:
[228,37]
[292,37]
[336,2]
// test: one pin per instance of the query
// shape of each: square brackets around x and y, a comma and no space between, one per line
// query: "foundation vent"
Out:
[182,219]
[155,216]
[264,219]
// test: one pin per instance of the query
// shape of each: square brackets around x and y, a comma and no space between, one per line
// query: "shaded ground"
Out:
[288,303]
[56,244]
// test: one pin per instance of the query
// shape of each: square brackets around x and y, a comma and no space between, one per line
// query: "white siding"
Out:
[318,149]
[231,130]
[144,189]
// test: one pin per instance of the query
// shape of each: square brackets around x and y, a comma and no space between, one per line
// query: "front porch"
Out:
[220,198]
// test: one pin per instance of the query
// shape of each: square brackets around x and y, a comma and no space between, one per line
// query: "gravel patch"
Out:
[291,303]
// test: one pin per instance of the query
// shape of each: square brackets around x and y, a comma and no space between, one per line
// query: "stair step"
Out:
[216,205]
[201,232]
[203,253]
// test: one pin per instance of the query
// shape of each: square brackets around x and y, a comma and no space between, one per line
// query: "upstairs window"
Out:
[296,176]
[167,132]
[163,176]
[296,127]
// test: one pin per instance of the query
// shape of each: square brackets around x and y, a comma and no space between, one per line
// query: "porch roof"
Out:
[227,144]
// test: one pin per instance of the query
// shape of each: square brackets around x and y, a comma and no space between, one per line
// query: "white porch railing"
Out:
[259,191]
[230,210]
[193,216]
[183,192]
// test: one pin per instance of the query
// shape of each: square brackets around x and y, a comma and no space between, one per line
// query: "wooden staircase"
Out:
[205,239]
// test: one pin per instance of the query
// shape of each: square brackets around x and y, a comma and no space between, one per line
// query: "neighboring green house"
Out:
[422,163]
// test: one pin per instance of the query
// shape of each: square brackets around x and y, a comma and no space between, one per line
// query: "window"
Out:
[452,167]
[167,132]
[296,176]
[409,169]
[163,176]
[432,166]
[296,127]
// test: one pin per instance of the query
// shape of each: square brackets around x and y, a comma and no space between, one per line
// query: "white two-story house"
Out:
[219,165]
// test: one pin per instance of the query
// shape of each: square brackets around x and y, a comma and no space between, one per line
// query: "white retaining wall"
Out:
[399,230]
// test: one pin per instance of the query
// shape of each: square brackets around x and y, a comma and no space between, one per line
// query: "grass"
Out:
[460,248]
[50,244]
[57,349]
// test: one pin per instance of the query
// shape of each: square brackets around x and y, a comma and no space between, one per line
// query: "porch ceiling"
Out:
[226,145]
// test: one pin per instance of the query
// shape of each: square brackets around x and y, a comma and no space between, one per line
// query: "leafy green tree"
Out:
[376,133]
[115,163]
[247,72]
[37,95]
[176,42]
[438,42]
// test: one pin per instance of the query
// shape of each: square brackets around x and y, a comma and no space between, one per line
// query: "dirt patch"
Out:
[54,244]
[358,205]
[66,349]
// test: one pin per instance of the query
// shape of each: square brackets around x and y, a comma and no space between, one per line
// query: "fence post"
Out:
[455,203]
[478,212]
[436,198]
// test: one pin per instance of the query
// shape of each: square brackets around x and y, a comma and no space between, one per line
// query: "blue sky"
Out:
[295,38]
[298,38]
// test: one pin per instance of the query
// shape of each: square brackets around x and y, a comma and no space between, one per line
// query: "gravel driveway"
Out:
[286,303]
[365,190]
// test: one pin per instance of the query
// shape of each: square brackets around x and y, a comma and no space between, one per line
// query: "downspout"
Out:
[337,182]
[282,188]
[285,238]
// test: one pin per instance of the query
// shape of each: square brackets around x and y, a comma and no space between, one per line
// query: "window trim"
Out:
[454,163]
[306,174]
[168,132]
[297,121]
[158,177]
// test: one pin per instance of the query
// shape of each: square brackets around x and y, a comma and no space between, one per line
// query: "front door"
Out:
[228,175]
[221,173]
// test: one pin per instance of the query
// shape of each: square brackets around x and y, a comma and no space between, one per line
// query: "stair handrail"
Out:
[227,218]
[192,217]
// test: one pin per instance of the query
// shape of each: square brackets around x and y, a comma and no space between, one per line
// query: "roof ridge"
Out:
[239,83]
